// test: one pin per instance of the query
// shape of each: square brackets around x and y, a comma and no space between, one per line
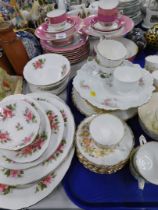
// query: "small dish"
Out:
[151,63]
[34,150]
[19,123]
[126,78]
[106,130]
[113,57]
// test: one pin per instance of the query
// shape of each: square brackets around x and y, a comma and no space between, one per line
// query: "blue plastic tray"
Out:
[116,191]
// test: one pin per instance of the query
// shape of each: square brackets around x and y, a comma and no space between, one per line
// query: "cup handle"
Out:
[46,19]
[141,184]
[142,140]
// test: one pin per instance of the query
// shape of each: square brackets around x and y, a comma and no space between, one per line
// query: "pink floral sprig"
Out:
[64,115]
[5,189]
[29,116]
[39,63]
[13,173]
[8,112]
[34,147]
[45,182]
[53,120]
[4,137]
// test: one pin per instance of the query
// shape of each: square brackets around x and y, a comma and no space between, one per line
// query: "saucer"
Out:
[87,109]
[19,124]
[42,34]
[91,83]
[51,29]
[103,156]
[107,28]
[123,30]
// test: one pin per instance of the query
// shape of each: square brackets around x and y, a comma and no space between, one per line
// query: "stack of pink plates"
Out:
[66,41]
[75,52]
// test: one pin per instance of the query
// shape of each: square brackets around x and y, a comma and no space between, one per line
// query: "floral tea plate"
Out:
[103,156]
[90,82]
[41,141]
[19,124]
[63,148]
[17,198]
[87,109]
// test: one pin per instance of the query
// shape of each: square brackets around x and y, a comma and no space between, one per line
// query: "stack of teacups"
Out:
[143,163]
[99,143]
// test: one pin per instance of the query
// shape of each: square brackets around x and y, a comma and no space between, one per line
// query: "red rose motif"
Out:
[7,113]
[47,180]
[3,187]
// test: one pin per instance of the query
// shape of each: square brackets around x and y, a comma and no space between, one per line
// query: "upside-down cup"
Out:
[56,18]
[107,11]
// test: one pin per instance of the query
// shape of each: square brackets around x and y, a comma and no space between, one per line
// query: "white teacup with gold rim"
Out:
[126,78]
[110,53]
[106,130]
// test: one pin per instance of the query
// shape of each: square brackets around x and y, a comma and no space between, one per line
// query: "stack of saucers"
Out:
[104,143]
[98,88]
[132,9]
[143,163]
[60,34]
[47,72]
[36,147]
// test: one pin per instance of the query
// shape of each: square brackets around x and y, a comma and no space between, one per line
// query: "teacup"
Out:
[126,78]
[151,63]
[107,11]
[106,130]
[56,18]
[113,57]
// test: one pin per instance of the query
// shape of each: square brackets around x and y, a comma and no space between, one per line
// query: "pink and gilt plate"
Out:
[125,24]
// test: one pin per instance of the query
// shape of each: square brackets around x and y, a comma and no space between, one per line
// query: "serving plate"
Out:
[90,83]
[18,198]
